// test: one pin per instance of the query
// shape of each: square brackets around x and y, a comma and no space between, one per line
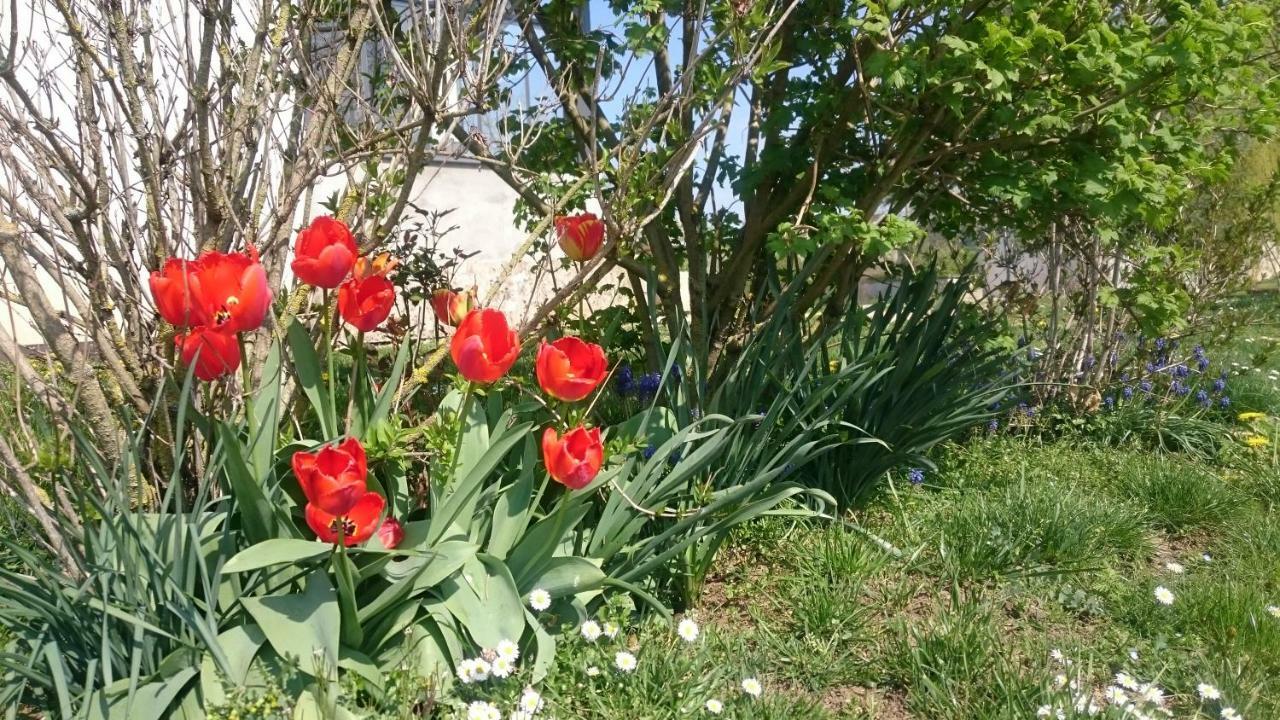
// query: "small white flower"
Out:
[1057,656]
[1133,654]
[591,630]
[539,599]
[481,710]
[687,630]
[530,701]
[1059,680]
[508,650]
[1126,681]
[1152,694]
[1207,557]
[752,687]
[1231,714]
[1273,611]
[714,706]
[611,630]
[1060,714]
[1163,596]
[1175,568]
[1044,711]
[502,667]
[1207,691]
[624,661]
[592,671]
[473,670]
[1115,695]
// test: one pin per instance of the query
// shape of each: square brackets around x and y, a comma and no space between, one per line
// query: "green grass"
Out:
[1012,549]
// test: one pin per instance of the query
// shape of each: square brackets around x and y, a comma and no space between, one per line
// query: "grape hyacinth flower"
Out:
[1109,402]
[1224,401]
[1202,397]
[1219,385]
[1181,370]
[1145,386]
[916,476]
[1202,363]
[648,385]
[1127,392]
[649,451]
[624,383]
[993,425]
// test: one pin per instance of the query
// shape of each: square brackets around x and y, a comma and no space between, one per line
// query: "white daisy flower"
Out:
[752,687]
[624,661]
[1207,691]
[611,630]
[1231,714]
[687,630]
[539,599]
[1060,714]
[502,667]
[1126,681]
[714,706]
[1057,656]
[1044,711]
[1152,694]
[1273,611]
[481,710]
[530,701]
[1059,680]
[1175,568]
[1207,557]
[592,671]
[1115,695]
[591,630]
[1163,596]
[473,671]
[508,650]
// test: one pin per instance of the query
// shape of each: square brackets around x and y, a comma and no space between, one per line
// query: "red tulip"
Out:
[333,478]
[324,253]
[214,351]
[366,299]
[391,533]
[354,526]
[450,306]
[484,348]
[575,459]
[233,289]
[580,235]
[175,287]
[570,368]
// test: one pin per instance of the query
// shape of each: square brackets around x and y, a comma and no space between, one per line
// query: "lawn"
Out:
[1026,577]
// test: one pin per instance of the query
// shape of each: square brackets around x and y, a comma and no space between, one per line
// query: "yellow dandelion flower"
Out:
[1256,441]
[1250,416]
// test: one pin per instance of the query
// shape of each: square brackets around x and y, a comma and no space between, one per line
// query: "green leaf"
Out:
[567,576]
[382,408]
[274,552]
[511,511]
[306,366]
[303,626]
[266,413]
[484,599]
[255,511]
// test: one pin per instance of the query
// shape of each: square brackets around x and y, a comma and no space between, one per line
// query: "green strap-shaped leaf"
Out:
[302,625]
[275,551]
[484,599]
[306,365]
[255,511]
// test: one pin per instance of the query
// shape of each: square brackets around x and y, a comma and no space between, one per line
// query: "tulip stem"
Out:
[246,373]
[328,354]
[356,389]
[463,408]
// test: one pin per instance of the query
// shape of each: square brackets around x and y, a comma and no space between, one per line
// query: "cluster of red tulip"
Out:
[325,253]
[340,506]
[212,299]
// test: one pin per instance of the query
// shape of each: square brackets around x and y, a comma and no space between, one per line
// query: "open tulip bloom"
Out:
[484,348]
[324,253]
[575,459]
[333,478]
[352,527]
[570,368]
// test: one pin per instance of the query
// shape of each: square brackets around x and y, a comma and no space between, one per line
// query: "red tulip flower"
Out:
[450,306]
[391,533]
[580,235]
[484,348]
[233,290]
[570,368]
[575,459]
[324,253]
[354,526]
[332,479]
[214,351]
[175,288]
[366,299]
